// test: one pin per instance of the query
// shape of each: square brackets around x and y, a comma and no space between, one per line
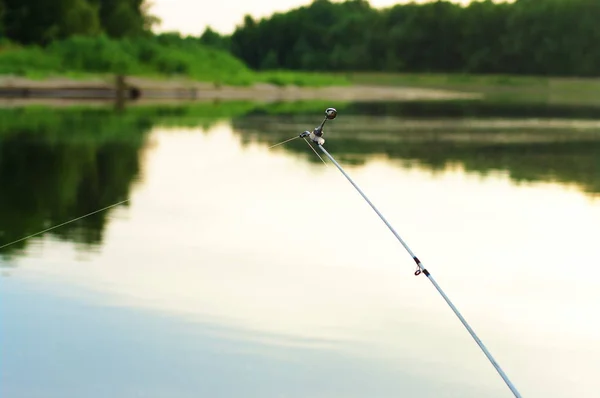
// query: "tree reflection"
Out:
[56,166]
[59,164]
[529,143]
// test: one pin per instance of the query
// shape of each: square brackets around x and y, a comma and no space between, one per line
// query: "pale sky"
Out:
[193,16]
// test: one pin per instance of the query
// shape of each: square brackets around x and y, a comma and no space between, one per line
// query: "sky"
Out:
[193,16]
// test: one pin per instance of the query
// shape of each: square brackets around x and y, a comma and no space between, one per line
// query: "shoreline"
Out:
[134,89]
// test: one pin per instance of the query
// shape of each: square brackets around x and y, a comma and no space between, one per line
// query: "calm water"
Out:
[235,270]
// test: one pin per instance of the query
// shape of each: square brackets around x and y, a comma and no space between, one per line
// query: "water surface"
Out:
[237,270]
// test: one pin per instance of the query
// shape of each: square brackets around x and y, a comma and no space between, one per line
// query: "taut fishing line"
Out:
[316,137]
[283,142]
[65,223]
[315,151]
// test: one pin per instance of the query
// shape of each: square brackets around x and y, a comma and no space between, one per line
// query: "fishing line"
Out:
[317,137]
[283,142]
[314,150]
[65,223]
[87,215]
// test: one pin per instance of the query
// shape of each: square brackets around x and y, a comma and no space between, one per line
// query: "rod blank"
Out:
[422,269]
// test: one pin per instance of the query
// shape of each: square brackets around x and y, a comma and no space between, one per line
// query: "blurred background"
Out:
[225,268]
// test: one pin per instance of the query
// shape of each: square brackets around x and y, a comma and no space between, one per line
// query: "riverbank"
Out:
[371,87]
[501,88]
[137,88]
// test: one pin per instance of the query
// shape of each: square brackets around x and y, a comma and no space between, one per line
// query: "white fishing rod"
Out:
[316,136]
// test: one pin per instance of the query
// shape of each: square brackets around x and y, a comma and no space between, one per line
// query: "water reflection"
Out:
[59,164]
[239,270]
[54,167]
[552,150]
[80,160]
[125,352]
[511,108]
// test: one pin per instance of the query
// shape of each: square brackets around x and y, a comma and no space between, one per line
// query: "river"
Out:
[237,270]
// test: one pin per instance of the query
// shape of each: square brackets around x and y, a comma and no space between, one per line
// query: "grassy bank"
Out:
[164,57]
[154,57]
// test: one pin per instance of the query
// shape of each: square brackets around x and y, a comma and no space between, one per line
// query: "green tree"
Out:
[213,39]
[557,37]
[2,11]
[40,21]
[80,18]
[270,61]
[244,43]
[120,18]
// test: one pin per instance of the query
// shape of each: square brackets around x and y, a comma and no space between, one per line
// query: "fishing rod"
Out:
[316,137]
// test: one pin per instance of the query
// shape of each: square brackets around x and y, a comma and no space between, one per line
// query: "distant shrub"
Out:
[94,54]
[161,55]
[19,61]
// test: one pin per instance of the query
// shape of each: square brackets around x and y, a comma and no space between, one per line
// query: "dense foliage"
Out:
[527,37]
[152,55]
[545,37]
[42,21]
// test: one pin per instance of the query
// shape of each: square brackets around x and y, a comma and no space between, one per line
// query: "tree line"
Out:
[537,37]
[44,21]
[530,37]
